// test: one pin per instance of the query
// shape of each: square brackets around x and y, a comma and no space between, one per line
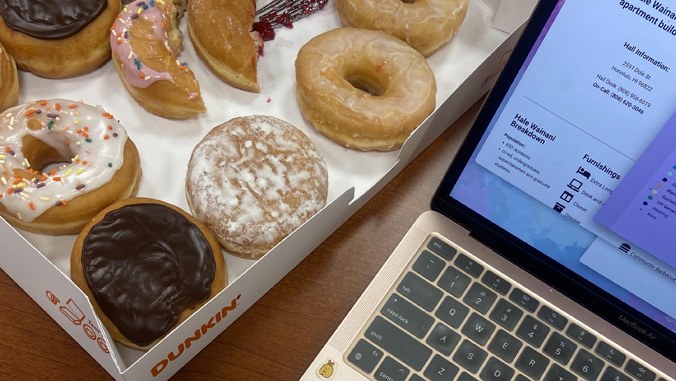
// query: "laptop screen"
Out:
[574,154]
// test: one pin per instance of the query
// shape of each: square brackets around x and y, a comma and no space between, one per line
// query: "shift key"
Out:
[400,345]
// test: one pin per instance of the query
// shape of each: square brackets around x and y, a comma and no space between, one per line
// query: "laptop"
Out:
[548,253]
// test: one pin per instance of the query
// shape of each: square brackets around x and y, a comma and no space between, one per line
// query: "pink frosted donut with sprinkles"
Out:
[144,41]
[61,162]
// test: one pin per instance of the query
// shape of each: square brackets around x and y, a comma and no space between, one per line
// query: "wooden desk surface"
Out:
[281,334]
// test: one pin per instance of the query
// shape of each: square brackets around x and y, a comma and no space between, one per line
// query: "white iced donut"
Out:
[61,162]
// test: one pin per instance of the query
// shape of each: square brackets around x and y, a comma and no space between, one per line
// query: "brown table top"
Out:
[282,333]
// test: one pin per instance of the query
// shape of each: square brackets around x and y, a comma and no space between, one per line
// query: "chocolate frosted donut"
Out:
[57,38]
[50,19]
[146,266]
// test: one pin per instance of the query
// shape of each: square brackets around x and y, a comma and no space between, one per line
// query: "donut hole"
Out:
[367,83]
[41,156]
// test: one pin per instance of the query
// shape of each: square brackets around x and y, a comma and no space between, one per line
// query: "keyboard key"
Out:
[407,316]
[365,356]
[400,345]
[496,283]
[466,377]
[478,329]
[587,365]
[639,371]
[495,370]
[505,346]
[454,281]
[415,377]
[480,298]
[506,314]
[556,373]
[429,265]
[469,356]
[468,265]
[612,374]
[443,339]
[533,331]
[524,300]
[559,348]
[419,291]
[521,377]
[440,369]
[581,335]
[442,248]
[452,312]
[611,354]
[391,370]
[532,363]
[552,318]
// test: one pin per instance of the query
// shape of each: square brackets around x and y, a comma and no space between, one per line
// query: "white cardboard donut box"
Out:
[465,69]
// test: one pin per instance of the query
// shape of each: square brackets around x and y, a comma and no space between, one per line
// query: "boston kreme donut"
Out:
[58,38]
[426,25]
[145,40]
[93,164]
[146,266]
[364,89]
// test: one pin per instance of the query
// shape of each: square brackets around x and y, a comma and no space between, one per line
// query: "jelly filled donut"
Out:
[146,266]
[221,33]
[426,25]
[58,38]
[364,89]
[145,40]
[62,162]
[253,180]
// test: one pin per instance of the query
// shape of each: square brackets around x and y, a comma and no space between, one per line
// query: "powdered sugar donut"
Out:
[97,165]
[253,180]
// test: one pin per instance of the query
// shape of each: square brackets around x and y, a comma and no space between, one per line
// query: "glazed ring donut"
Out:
[426,25]
[57,39]
[254,180]
[146,266]
[9,81]
[145,40]
[100,165]
[364,89]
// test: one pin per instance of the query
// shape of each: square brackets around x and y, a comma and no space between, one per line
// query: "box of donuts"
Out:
[164,163]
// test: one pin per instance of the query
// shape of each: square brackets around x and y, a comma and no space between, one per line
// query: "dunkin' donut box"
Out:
[465,69]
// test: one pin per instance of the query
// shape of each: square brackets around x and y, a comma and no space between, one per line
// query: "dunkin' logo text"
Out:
[220,315]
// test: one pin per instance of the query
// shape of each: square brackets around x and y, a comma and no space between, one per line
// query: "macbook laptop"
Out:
[549,253]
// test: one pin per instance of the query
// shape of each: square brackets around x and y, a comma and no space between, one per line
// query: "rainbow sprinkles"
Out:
[135,72]
[89,140]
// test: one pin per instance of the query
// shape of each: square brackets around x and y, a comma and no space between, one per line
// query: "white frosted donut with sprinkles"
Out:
[144,41]
[61,162]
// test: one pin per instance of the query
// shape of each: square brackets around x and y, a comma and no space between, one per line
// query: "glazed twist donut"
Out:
[364,89]
[100,165]
[426,25]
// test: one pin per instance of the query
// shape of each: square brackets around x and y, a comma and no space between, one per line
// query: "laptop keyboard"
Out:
[451,317]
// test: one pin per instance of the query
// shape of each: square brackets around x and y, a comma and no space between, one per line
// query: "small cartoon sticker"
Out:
[326,370]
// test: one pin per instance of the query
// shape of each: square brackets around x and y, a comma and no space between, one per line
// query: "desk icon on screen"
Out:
[575,185]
